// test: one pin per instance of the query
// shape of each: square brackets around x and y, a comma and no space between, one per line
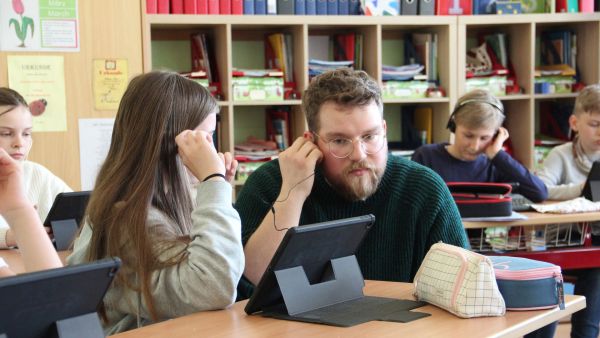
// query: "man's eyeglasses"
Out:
[343,147]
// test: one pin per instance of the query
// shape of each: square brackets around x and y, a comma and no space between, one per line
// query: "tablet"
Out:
[65,216]
[33,302]
[68,205]
[591,189]
[312,247]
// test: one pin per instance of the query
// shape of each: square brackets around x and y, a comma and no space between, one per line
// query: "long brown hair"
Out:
[142,169]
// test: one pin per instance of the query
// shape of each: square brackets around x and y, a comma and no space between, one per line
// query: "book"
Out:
[311,7]
[248,7]
[423,117]
[213,6]
[237,7]
[176,6]
[299,7]
[163,7]
[224,7]
[151,6]
[332,7]
[321,7]
[278,126]
[260,7]
[285,7]
[201,6]
[189,6]
[343,7]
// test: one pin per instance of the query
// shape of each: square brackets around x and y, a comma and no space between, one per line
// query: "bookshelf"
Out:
[236,35]
[524,32]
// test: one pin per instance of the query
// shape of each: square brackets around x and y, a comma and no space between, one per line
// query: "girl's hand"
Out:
[198,153]
[12,191]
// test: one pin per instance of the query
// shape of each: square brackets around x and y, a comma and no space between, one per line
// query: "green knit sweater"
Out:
[412,206]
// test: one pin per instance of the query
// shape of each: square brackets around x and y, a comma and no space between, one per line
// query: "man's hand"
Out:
[496,144]
[297,163]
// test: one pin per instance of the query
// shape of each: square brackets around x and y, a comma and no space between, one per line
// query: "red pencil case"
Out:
[475,199]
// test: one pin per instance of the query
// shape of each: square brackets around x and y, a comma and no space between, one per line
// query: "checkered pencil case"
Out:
[459,281]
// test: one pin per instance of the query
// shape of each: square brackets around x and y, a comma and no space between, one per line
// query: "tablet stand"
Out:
[87,325]
[300,296]
[338,301]
[64,232]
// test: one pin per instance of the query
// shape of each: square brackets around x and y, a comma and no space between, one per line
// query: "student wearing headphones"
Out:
[40,184]
[476,154]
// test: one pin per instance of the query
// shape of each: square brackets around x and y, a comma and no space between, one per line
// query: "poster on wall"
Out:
[94,142]
[41,77]
[110,82]
[39,25]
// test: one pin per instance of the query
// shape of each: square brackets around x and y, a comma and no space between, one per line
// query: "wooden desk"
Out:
[234,322]
[14,261]
[574,257]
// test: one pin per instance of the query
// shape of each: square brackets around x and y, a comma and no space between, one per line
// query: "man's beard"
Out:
[358,188]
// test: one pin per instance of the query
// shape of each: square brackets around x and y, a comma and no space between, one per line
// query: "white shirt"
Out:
[41,187]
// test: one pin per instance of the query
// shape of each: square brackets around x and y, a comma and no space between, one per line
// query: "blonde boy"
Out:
[564,172]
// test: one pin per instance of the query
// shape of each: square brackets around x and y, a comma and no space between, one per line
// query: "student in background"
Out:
[35,247]
[162,203]
[340,168]
[476,154]
[41,185]
[564,172]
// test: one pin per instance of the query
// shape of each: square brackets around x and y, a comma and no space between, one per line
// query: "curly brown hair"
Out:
[343,86]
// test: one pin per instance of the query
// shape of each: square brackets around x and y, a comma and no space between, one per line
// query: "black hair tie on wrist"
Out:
[214,175]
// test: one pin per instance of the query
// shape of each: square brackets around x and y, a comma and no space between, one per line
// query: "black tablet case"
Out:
[315,277]
[475,199]
[591,189]
[58,302]
[65,216]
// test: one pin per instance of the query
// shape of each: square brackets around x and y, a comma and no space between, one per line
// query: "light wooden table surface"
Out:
[233,322]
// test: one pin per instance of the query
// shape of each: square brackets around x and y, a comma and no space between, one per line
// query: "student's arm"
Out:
[297,165]
[554,174]
[509,170]
[35,246]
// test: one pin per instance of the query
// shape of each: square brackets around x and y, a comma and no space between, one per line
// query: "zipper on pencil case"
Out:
[539,273]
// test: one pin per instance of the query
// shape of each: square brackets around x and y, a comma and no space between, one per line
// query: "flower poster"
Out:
[41,77]
[39,25]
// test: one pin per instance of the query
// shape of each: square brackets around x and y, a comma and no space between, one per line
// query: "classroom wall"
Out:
[108,29]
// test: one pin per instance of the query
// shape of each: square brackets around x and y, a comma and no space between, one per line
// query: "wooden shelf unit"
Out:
[454,34]
[523,34]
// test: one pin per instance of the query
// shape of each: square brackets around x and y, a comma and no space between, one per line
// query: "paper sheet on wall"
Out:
[39,25]
[94,142]
[41,77]
[110,82]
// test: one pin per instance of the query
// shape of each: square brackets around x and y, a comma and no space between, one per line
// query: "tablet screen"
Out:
[591,189]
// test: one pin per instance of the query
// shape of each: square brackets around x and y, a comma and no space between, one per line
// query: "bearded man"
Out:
[340,168]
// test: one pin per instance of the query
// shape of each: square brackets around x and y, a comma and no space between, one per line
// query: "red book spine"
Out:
[163,7]
[201,6]
[561,6]
[189,6]
[176,6]
[237,7]
[224,6]
[151,6]
[213,6]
